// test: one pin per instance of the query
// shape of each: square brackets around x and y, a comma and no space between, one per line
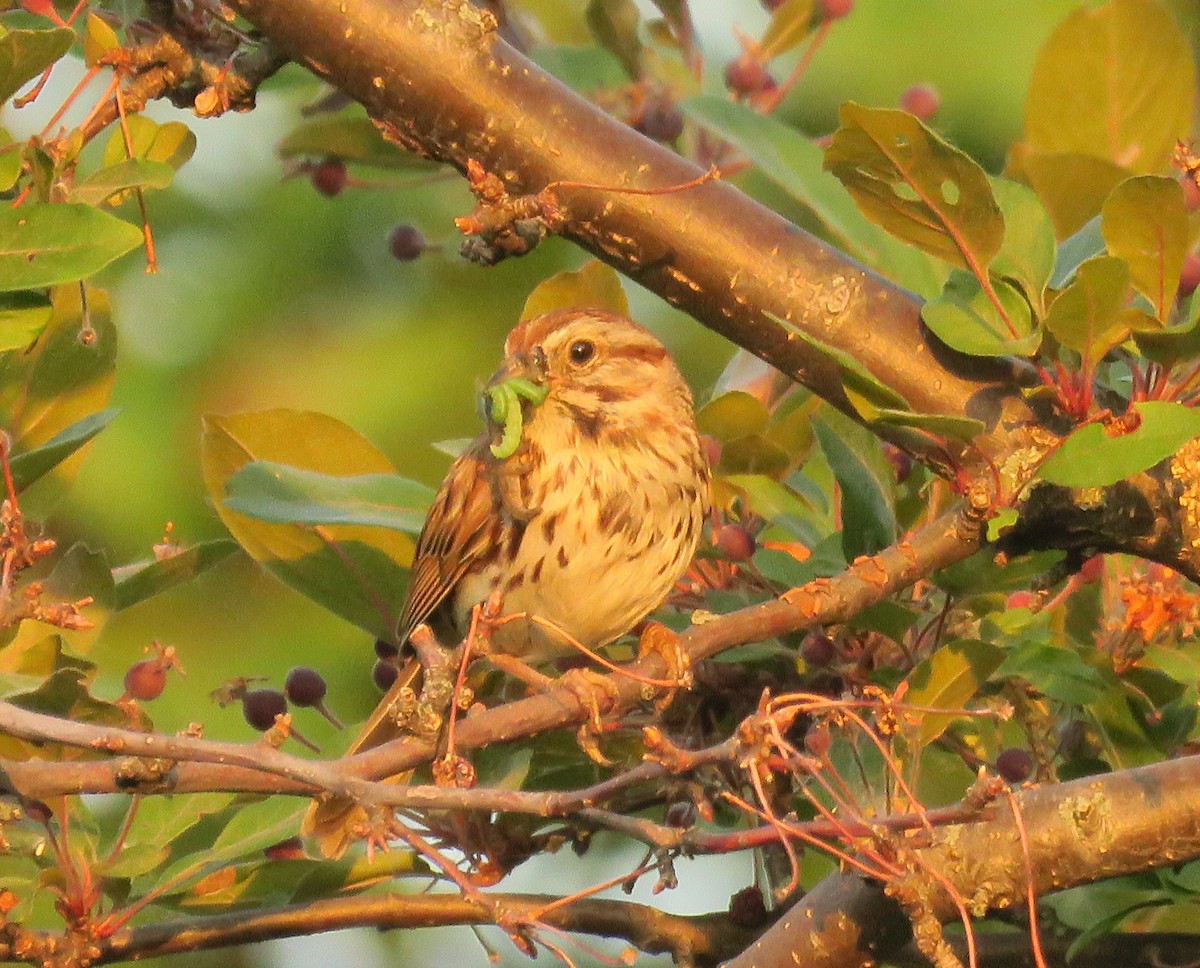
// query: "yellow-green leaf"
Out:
[1145,223]
[1089,315]
[920,188]
[790,24]
[1071,186]
[595,286]
[1115,81]
[948,680]
[98,39]
[355,571]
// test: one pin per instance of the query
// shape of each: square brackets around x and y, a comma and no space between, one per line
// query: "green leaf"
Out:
[1073,187]
[24,54]
[277,492]
[1171,344]
[1075,250]
[98,39]
[778,504]
[158,822]
[1027,254]
[1090,315]
[970,320]
[920,188]
[794,162]
[866,480]
[856,378]
[28,466]
[790,24]
[353,139]
[1056,671]
[594,285]
[172,143]
[732,415]
[355,571]
[23,317]
[136,582]
[754,454]
[614,24]
[61,379]
[1089,457]
[1145,223]
[125,175]
[1115,81]
[949,679]
[942,425]
[43,245]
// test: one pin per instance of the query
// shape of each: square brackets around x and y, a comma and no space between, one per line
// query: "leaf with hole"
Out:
[1090,457]
[44,245]
[917,186]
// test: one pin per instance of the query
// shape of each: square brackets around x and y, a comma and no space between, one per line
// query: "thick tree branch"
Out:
[438,74]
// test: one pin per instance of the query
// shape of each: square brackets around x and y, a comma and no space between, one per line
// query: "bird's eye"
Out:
[581,351]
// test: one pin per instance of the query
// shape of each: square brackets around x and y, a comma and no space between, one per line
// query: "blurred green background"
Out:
[271,295]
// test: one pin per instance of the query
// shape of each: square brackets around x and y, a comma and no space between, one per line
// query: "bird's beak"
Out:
[522,366]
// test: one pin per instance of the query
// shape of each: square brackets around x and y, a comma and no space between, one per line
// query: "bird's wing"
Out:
[461,532]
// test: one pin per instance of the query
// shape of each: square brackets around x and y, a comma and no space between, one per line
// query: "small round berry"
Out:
[660,121]
[735,542]
[818,650]
[384,673]
[406,243]
[712,449]
[305,686]
[1022,599]
[747,908]
[681,814]
[1189,277]
[145,680]
[921,101]
[261,706]
[836,9]
[37,810]
[1015,764]
[329,177]
[747,75]
[386,649]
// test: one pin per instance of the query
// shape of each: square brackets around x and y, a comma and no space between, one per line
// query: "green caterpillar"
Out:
[504,403]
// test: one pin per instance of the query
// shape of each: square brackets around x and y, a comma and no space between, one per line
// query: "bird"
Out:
[583,524]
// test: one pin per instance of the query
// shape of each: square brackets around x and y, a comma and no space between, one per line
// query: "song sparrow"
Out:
[591,520]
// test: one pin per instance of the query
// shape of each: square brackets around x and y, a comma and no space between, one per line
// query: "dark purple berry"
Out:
[261,706]
[747,908]
[660,120]
[818,649]
[901,463]
[747,75]
[305,686]
[386,649]
[1015,764]
[290,849]
[145,680]
[329,177]
[681,814]
[406,243]
[385,674]
[735,542]
[37,810]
